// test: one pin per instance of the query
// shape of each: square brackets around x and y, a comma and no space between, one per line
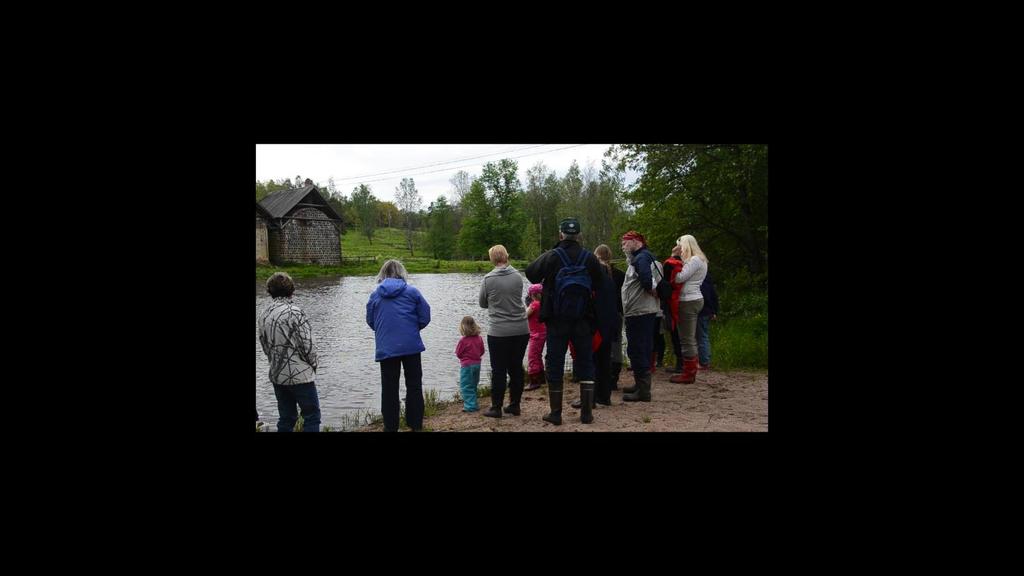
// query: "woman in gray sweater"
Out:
[509,332]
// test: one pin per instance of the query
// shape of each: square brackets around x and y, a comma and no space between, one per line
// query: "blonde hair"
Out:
[468,327]
[604,255]
[688,248]
[497,254]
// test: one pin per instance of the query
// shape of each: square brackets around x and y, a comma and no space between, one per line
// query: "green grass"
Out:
[388,243]
[740,343]
[736,343]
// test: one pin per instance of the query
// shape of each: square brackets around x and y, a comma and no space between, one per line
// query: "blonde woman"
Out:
[691,301]
[508,334]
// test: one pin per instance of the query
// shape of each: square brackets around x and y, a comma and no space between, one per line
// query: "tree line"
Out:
[717,192]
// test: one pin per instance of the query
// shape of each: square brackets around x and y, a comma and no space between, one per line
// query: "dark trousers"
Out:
[603,371]
[305,396]
[639,332]
[390,408]
[677,345]
[659,341]
[560,332]
[507,360]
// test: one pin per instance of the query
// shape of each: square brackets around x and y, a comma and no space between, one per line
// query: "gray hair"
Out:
[392,269]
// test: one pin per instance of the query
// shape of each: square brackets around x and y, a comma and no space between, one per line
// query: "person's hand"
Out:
[714,316]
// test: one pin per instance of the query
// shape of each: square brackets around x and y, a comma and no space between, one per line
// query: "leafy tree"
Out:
[716,192]
[408,199]
[440,236]
[478,224]
[502,181]
[365,206]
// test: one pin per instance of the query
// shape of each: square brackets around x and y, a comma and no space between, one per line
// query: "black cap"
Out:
[569,226]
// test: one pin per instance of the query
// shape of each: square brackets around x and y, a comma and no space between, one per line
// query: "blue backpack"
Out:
[572,287]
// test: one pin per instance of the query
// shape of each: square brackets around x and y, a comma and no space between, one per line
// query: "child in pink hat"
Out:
[538,334]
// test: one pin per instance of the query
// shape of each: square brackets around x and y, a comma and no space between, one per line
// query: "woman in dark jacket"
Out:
[397,312]
[604,255]
[607,330]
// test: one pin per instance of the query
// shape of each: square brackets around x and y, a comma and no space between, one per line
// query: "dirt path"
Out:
[717,402]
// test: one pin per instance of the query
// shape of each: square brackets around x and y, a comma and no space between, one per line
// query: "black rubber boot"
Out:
[515,394]
[643,393]
[497,399]
[555,401]
[587,396]
[577,403]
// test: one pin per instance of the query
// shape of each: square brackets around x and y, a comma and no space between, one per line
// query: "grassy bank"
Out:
[371,268]
[364,258]
[432,404]
[737,343]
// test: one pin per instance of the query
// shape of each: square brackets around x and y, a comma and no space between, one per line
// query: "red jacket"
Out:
[676,265]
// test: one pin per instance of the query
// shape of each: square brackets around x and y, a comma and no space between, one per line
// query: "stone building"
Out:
[302,228]
[262,247]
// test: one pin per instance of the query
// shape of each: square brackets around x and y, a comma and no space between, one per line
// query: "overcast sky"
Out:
[382,166]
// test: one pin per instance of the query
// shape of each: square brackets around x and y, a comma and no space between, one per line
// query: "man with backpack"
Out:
[569,274]
[640,306]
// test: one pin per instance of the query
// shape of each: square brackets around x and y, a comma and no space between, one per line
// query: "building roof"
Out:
[260,210]
[280,203]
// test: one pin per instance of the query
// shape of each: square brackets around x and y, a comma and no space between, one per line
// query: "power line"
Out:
[466,166]
[438,163]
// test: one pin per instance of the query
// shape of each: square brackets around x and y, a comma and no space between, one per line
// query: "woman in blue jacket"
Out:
[397,312]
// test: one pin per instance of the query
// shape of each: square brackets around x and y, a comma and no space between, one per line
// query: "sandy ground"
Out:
[735,401]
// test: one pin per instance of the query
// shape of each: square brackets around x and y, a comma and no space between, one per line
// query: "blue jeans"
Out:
[559,334]
[640,341]
[704,339]
[469,379]
[305,396]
